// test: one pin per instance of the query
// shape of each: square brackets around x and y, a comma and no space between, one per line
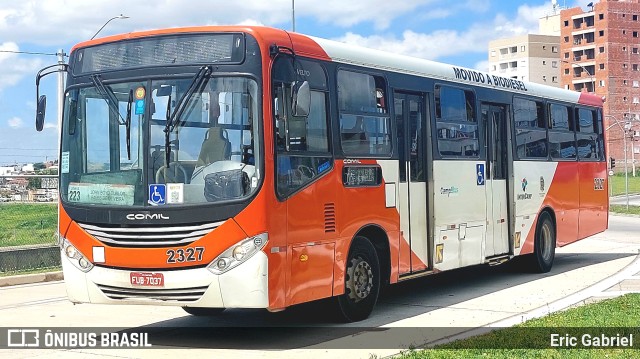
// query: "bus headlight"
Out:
[74,255]
[238,253]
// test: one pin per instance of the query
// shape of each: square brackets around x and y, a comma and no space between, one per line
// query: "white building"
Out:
[532,57]
[6,171]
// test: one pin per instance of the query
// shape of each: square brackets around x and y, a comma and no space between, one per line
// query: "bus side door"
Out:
[410,117]
[494,118]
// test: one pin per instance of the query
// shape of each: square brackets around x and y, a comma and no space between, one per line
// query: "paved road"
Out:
[408,314]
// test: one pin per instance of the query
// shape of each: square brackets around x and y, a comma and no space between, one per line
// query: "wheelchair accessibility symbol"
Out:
[480,174]
[157,194]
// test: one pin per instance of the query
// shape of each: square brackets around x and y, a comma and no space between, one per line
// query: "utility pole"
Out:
[293,15]
[61,56]
[624,144]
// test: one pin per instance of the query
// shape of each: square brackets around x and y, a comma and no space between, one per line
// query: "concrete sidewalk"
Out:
[30,278]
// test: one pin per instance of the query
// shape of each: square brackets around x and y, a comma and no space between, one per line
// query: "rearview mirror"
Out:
[164,91]
[40,111]
[301,95]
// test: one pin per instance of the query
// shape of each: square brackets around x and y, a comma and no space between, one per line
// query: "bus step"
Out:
[498,260]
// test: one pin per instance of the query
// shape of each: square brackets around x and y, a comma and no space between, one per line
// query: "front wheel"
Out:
[544,246]
[362,282]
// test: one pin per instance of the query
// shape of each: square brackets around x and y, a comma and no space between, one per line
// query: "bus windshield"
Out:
[212,143]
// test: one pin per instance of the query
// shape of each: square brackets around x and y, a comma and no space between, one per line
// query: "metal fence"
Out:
[28,223]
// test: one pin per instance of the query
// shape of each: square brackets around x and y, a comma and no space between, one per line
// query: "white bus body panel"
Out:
[245,286]
[538,177]
[459,214]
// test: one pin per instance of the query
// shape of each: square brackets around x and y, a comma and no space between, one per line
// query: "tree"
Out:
[34,183]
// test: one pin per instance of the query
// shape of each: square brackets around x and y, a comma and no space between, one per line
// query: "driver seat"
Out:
[215,147]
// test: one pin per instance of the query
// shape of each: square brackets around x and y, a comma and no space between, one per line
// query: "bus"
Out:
[251,167]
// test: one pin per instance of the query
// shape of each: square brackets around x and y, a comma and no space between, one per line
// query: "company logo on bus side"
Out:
[147,216]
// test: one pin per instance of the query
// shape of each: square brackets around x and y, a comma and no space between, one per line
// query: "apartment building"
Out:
[600,52]
[529,57]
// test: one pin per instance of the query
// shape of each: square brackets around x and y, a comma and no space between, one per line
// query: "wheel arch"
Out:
[552,215]
[380,241]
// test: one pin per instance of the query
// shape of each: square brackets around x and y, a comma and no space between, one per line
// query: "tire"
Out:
[544,246]
[362,282]
[203,312]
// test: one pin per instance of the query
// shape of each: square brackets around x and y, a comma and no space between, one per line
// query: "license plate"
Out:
[145,279]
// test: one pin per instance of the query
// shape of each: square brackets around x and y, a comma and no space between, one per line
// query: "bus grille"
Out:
[149,236]
[178,295]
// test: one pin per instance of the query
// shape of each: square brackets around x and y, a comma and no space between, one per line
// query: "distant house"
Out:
[6,171]
[18,184]
[27,168]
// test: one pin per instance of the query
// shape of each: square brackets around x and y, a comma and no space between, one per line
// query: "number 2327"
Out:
[185,255]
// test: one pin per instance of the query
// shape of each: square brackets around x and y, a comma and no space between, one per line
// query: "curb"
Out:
[556,306]
[30,278]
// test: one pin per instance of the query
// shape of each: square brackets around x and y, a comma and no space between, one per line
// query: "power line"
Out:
[28,149]
[30,156]
[29,53]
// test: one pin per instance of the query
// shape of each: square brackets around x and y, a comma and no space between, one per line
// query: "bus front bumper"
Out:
[245,286]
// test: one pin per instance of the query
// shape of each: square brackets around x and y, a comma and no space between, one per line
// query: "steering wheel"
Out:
[306,171]
[171,174]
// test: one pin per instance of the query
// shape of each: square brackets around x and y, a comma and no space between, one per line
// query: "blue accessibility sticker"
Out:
[157,194]
[480,174]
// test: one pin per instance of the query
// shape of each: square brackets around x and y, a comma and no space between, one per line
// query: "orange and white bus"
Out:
[251,167]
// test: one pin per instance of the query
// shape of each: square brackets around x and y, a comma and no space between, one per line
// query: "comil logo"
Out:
[23,338]
[146,216]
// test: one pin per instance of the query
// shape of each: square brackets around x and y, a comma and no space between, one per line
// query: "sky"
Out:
[452,32]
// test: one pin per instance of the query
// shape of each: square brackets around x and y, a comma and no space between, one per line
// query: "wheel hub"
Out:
[360,279]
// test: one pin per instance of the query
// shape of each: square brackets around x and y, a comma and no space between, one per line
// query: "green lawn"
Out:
[27,224]
[622,208]
[617,184]
[610,317]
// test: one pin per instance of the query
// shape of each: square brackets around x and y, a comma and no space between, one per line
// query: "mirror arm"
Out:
[48,71]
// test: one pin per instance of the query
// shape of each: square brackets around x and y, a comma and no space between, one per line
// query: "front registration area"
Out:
[245,286]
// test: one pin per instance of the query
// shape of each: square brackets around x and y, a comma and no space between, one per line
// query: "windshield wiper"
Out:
[128,124]
[197,84]
[107,95]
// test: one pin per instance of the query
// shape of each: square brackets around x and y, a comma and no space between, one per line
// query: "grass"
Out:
[617,184]
[27,224]
[620,315]
[621,208]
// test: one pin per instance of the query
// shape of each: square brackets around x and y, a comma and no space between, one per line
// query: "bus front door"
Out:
[410,115]
[494,118]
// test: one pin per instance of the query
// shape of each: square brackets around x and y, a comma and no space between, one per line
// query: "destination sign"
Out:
[361,176]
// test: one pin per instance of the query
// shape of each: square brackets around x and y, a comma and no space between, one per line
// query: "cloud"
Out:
[482,66]
[14,67]
[46,22]
[15,122]
[443,43]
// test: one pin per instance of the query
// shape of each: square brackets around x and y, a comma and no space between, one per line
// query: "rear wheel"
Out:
[544,247]
[203,312]
[362,282]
